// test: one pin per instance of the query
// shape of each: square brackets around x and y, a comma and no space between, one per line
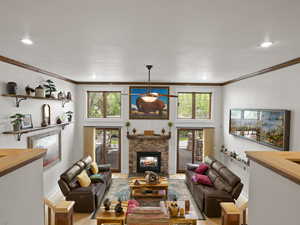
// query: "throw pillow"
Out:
[202,168]
[202,179]
[84,179]
[94,168]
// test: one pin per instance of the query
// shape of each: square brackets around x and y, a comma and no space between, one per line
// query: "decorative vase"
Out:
[11,88]
[187,205]
[69,96]
[44,123]
[163,131]
[118,209]
[107,204]
[133,130]
[173,209]
[58,121]
[40,92]
[60,95]
[70,118]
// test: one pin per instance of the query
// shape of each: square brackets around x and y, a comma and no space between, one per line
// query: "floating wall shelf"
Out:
[25,131]
[20,98]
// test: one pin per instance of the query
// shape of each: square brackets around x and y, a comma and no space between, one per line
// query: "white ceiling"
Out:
[186,40]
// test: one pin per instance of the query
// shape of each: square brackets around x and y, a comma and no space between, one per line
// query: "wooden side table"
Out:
[230,214]
[110,217]
[64,213]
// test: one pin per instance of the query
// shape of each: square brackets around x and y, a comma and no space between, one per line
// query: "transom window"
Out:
[194,105]
[104,104]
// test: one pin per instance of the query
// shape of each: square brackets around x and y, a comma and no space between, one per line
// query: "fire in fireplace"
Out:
[148,161]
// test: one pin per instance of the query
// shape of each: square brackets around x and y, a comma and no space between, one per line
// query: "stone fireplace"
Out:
[152,150]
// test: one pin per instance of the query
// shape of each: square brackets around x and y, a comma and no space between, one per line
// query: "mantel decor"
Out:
[149,137]
[270,127]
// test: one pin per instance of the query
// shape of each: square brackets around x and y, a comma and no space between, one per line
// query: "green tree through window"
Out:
[104,104]
[194,105]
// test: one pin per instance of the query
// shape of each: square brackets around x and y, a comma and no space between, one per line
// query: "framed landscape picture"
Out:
[157,110]
[269,127]
[50,141]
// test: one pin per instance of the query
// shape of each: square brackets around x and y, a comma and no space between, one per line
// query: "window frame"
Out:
[194,105]
[105,105]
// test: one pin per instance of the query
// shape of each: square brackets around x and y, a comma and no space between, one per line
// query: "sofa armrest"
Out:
[191,166]
[104,167]
[85,202]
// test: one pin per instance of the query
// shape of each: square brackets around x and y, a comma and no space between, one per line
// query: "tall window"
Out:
[194,105]
[104,104]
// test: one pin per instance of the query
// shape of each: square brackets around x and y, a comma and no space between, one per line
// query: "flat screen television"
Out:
[270,127]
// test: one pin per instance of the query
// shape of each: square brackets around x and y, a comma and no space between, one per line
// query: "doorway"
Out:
[108,147]
[189,147]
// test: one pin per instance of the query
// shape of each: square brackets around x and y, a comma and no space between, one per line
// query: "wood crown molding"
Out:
[61,77]
[263,71]
[34,68]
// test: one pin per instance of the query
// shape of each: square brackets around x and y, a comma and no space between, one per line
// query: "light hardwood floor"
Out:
[84,219]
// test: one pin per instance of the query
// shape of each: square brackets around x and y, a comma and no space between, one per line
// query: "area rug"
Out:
[120,190]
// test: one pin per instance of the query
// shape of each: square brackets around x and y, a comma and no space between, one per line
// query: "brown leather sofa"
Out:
[86,199]
[226,187]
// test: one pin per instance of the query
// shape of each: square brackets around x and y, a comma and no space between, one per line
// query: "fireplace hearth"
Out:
[148,161]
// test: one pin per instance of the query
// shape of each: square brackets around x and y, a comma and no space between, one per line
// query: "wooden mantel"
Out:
[149,137]
[286,164]
[12,159]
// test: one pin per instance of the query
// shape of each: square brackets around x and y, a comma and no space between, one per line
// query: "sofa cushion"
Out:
[202,168]
[222,185]
[213,175]
[230,177]
[202,179]
[83,179]
[217,166]
[95,178]
[212,192]
[71,173]
[94,168]
[104,167]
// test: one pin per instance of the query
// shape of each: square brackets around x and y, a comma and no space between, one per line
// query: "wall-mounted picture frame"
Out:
[50,141]
[157,110]
[270,127]
[26,122]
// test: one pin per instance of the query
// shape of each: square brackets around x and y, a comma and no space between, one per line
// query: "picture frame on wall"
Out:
[26,122]
[270,127]
[50,141]
[157,110]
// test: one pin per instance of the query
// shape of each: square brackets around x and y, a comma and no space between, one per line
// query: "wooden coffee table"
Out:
[109,217]
[189,217]
[159,190]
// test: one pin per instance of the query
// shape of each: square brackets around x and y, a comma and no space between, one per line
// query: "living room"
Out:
[132,86]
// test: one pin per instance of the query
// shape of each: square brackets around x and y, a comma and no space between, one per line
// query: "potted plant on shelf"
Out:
[17,121]
[170,125]
[127,124]
[50,88]
[69,115]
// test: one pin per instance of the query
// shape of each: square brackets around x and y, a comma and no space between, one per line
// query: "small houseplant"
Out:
[170,125]
[69,115]
[50,88]
[17,121]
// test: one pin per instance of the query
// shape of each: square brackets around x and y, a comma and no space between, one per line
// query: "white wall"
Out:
[142,125]
[275,90]
[21,195]
[34,107]
[273,199]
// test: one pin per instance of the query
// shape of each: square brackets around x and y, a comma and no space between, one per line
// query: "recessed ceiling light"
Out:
[27,41]
[204,78]
[94,76]
[266,44]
